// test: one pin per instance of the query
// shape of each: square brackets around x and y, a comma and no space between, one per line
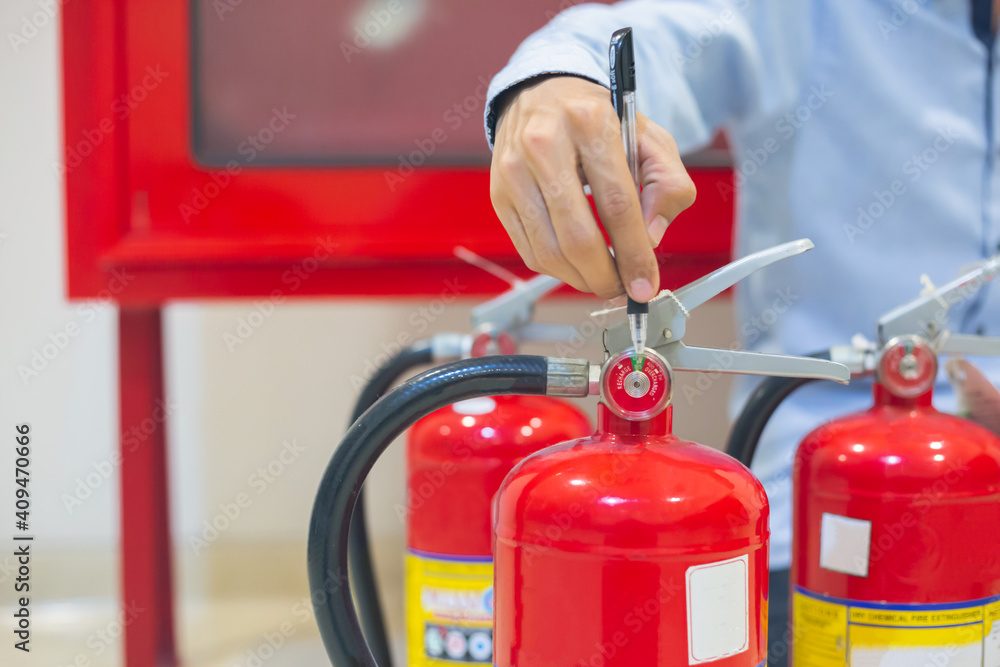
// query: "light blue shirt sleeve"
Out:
[700,64]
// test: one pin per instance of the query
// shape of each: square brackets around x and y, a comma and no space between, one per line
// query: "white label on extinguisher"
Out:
[718,601]
[845,544]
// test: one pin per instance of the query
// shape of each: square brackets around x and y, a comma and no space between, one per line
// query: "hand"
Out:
[977,397]
[553,137]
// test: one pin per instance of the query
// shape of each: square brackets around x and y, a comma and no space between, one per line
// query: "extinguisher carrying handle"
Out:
[927,315]
[513,312]
[669,312]
[368,437]
[974,346]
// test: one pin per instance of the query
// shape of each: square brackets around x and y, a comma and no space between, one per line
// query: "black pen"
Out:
[622,58]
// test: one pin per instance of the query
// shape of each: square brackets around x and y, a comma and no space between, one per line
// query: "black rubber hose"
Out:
[759,409]
[330,524]
[362,569]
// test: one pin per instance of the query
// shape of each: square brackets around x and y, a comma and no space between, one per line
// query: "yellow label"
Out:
[991,642]
[449,611]
[819,633]
[829,632]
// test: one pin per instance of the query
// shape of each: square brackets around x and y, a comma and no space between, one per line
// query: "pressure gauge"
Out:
[636,387]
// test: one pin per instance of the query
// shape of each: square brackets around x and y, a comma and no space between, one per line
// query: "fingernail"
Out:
[618,301]
[657,228]
[641,290]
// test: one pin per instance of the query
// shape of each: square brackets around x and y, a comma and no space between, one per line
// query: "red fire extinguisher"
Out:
[896,529]
[630,547]
[456,459]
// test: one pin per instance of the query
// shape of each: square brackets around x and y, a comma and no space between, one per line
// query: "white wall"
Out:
[70,404]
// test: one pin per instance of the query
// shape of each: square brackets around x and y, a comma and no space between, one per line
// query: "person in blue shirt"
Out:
[870,126]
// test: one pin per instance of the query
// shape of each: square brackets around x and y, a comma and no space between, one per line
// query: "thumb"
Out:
[667,189]
[978,399]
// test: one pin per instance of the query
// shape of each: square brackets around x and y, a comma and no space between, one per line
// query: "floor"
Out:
[243,606]
[278,632]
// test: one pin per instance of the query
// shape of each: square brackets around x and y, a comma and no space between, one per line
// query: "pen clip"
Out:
[622,58]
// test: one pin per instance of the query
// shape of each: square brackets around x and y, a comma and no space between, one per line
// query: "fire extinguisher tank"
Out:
[896,547]
[928,486]
[633,547]
[457,458]
[459,455]
[604,545]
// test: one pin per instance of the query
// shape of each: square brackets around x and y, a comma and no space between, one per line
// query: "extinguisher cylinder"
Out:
[630,547]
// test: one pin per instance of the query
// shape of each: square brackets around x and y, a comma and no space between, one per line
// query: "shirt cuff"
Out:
[572,61]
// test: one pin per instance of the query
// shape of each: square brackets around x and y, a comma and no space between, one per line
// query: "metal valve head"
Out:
[923,323]
[636,388]
[499,324]
[927,315]
[908,366]
[513,311]
[669,311]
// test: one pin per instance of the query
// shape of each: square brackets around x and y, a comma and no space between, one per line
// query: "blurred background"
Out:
[260,417]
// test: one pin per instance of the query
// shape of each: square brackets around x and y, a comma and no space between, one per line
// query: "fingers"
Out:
[977,397]
[602,156]
[544,242]
[521,208]
[558,134]
[552,163]
[667,189]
